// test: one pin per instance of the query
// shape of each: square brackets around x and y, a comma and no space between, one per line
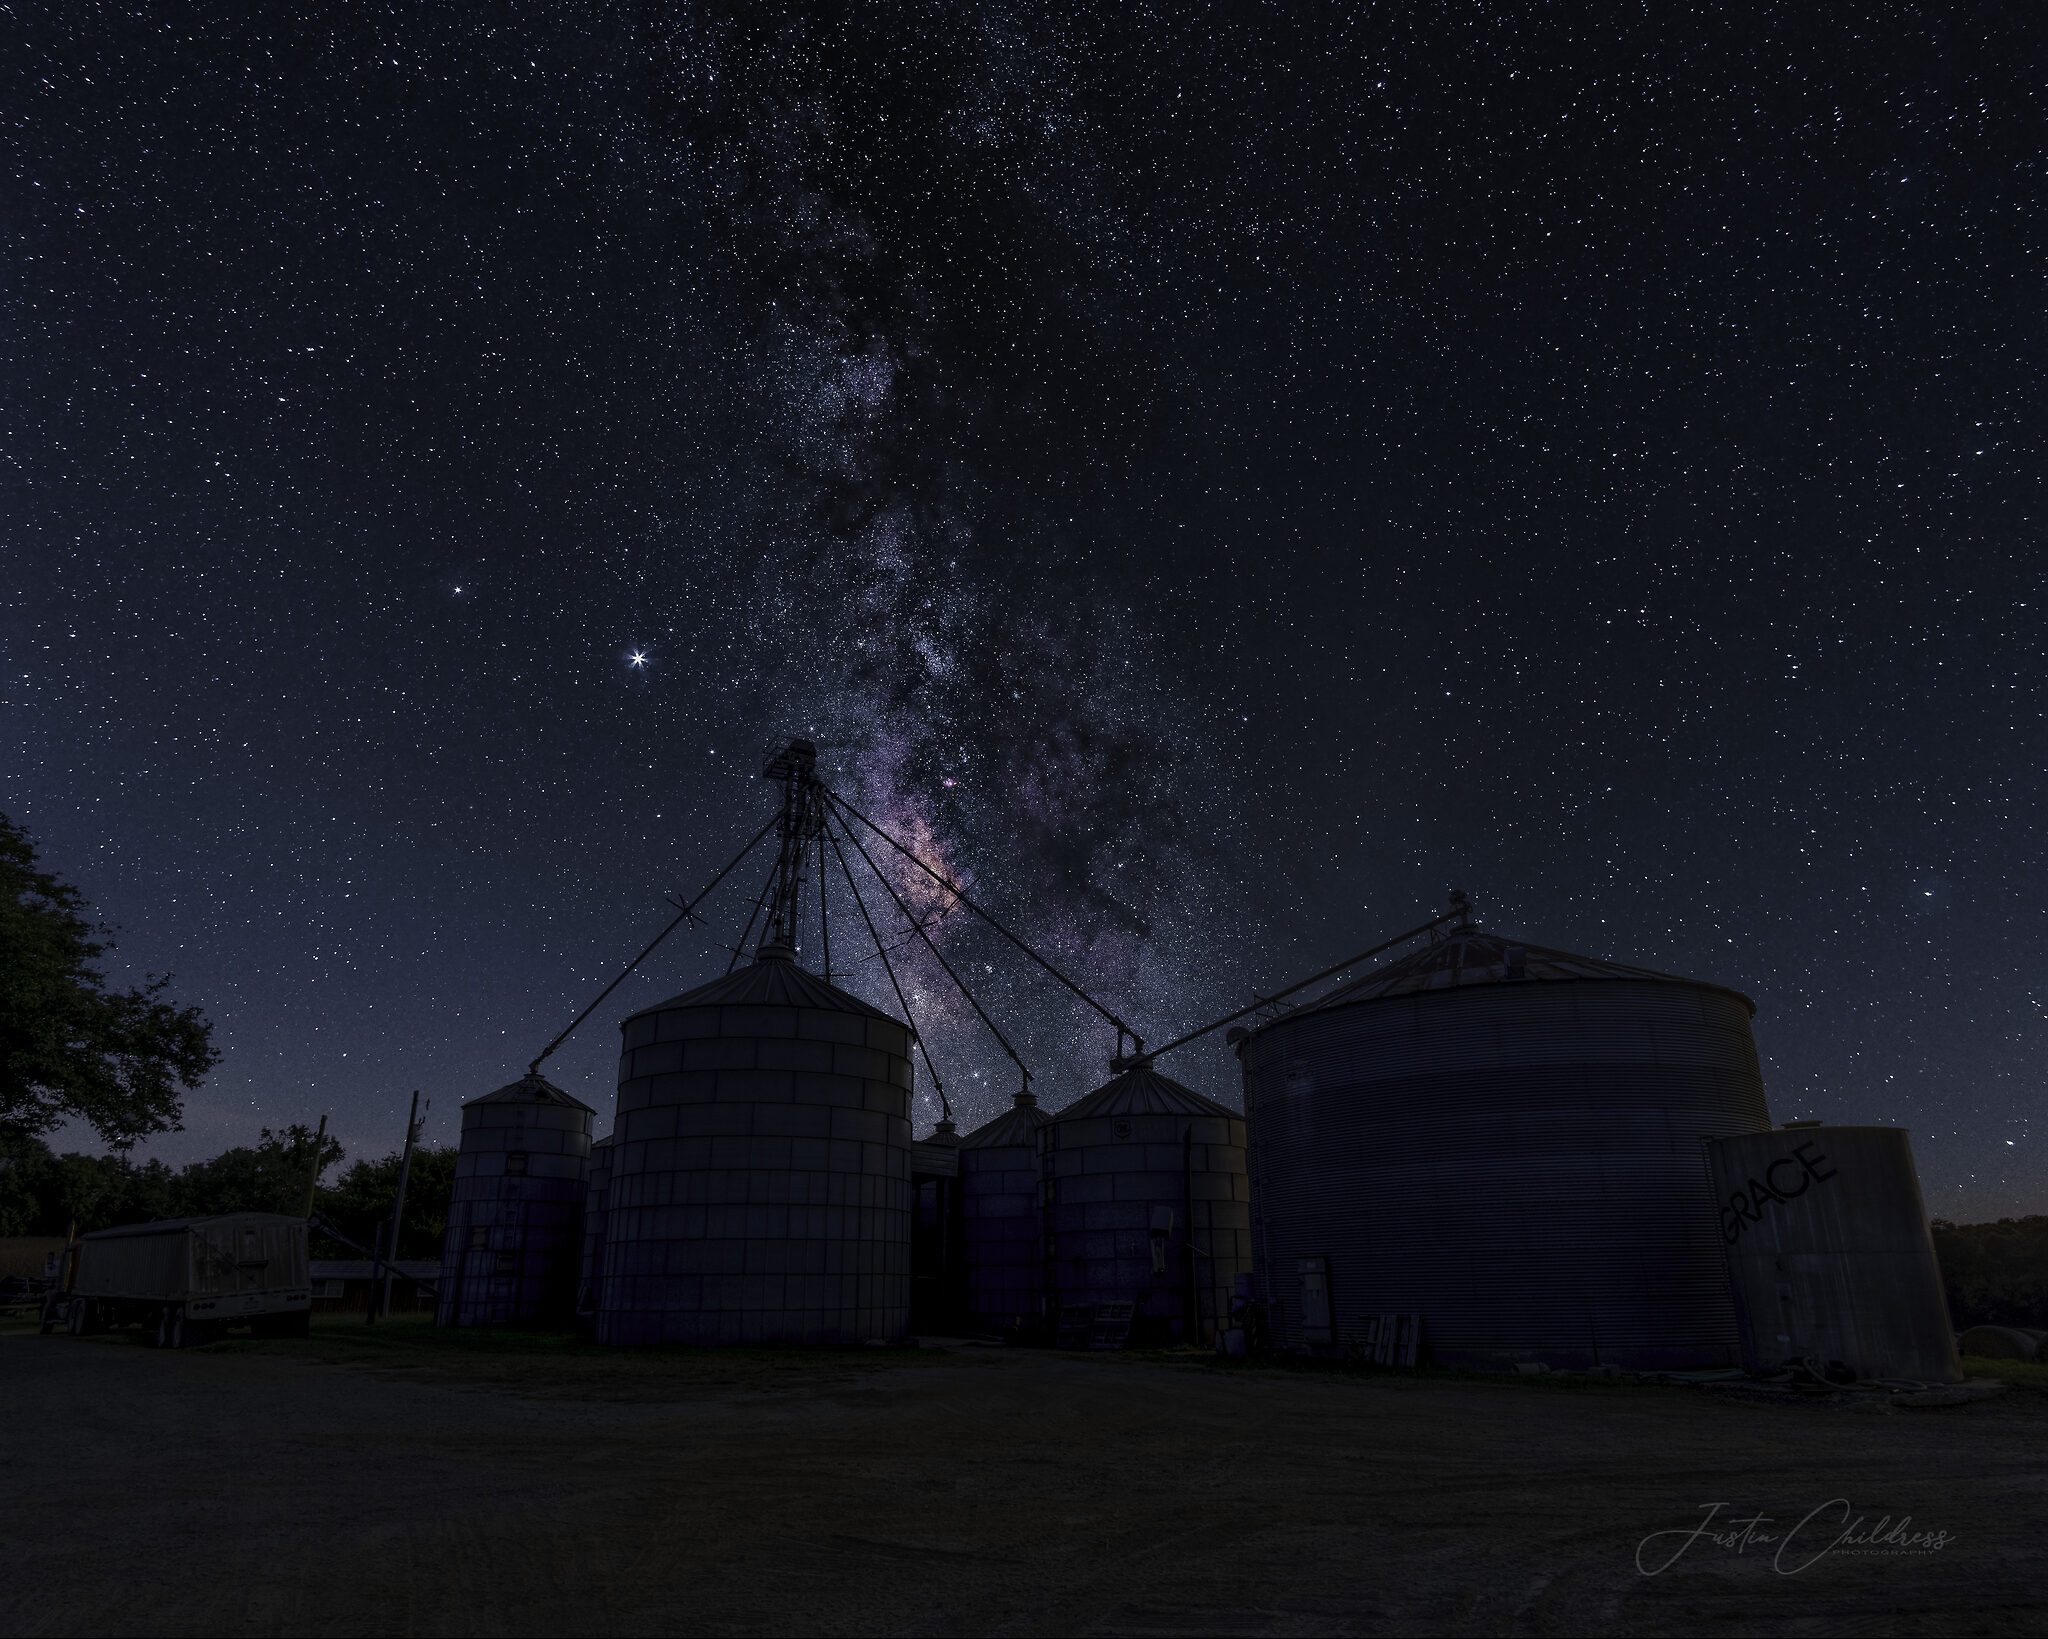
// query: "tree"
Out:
[45,1194]
[267,1176]
[359,1202]
[70,1048]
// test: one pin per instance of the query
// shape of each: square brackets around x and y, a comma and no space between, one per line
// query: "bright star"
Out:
[637,658]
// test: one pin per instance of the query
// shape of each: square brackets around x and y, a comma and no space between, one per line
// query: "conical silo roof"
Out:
[774,980]
[1143,1091]
[530,1089]
[1018,1124]
[1474,956]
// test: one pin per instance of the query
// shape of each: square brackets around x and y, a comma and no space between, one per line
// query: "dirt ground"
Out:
[410,1482]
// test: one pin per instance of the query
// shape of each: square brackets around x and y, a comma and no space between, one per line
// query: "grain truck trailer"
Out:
[186,1280]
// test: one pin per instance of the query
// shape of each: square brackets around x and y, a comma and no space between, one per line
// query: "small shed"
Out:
[342,1286]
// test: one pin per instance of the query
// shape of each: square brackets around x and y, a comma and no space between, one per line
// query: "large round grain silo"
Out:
[1505,1144]
[1146,1203]
[1827,1243]
[760,1182]
[596,1203]
[1002,1223]
[515,1210]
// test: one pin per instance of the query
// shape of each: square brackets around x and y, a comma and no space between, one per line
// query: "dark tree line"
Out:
[1997,1273]
[44,1193]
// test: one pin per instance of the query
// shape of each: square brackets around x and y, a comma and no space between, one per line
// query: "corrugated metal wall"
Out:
[596,1205]
[515,1212]
[760,1187]
[1826,1237]
[1105,1177]
[195,1257]
[1521,1164]
[1000,1185]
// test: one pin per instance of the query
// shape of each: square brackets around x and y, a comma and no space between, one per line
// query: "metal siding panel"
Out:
[1519,1164]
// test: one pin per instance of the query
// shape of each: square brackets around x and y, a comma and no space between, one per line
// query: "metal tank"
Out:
[1147,1203]
[760,1185]
[1001,1220]
[596,1202]
[937,1271]
[515,1212]
[1827,1244]
[1500,1147]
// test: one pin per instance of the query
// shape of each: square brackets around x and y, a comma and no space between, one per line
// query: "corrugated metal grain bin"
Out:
[515,1213]
[938,1273]
[596,1204]
[1507,1141]
[1147,1202]
[1827,1241]
[1002,1221]
[760,1188]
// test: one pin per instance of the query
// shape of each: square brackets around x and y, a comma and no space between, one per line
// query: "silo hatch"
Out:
[1315,1300]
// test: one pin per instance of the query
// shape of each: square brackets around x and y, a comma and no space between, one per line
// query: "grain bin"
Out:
[1002,1221]
[1505,1141]
[938,1273]
[596,1201]
[1827,1244]
[1147,1203]
[515,1213]
[760,1184]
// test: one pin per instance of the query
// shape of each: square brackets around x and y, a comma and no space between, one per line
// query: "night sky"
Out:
[1217,481]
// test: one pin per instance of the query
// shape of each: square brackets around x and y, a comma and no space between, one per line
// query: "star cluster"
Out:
[1212,480]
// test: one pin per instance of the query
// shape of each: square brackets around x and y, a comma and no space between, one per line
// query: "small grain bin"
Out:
[1002,1220]
[1147,1203]
[596,1201]
[515,1212]
[1828,1247]
[1504,1143]
[760,1185]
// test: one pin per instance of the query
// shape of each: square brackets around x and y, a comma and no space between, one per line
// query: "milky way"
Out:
[1214,480]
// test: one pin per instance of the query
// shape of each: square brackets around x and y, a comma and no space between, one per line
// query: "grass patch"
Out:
[1362,1371]
[2017,1374]
[563,1365]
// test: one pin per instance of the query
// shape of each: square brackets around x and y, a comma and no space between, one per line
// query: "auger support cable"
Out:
[760,899]
[1451,915]
[939,1087]
[959,983]
[836,801]
[684,914]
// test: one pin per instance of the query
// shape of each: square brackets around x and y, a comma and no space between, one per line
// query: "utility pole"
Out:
[313,1175]
[413,1122]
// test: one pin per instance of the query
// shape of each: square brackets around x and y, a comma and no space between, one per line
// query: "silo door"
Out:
[1315,1300]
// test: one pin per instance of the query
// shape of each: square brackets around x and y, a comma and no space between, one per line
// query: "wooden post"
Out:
[376,1266]
[313,1175]
[412,1133]
[1193,1335]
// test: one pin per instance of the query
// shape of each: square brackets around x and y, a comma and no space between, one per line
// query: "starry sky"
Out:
[1211,479]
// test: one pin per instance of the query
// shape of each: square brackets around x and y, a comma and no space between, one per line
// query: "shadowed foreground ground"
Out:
[405,1482]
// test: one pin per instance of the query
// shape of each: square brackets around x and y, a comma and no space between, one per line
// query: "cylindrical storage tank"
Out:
[515,1210]
[596,1201]
[760,1184]
[1504,1144]
[1002,1224]
[1147,1203]
[1827,1243]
